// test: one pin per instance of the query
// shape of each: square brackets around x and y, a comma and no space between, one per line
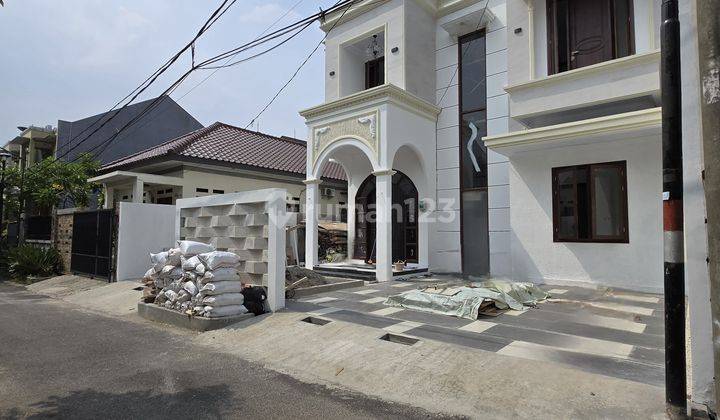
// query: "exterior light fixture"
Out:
[373,49]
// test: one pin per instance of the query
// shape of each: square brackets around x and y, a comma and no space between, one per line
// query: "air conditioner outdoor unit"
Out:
[328,192]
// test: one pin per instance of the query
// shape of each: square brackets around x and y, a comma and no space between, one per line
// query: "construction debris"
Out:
[480,298]
[197,280]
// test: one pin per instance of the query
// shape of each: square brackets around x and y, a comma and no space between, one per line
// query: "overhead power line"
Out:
[221,10]
[301,66]
[292,29]
[287,12]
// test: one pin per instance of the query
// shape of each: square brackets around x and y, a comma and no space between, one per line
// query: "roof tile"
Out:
[226,143]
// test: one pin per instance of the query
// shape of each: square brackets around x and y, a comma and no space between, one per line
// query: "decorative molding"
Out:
[437,8]
[387,92]
[370,120]
[383,172]
[578,129]
[361,127]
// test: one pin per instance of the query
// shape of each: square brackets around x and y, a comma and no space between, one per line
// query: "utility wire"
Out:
[301,65]
[241,48]
[221,10]
[230,58]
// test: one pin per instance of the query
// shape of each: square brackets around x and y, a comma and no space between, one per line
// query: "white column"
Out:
[312,202]
[109,197]
[138,189]
[383,229]
[276,250]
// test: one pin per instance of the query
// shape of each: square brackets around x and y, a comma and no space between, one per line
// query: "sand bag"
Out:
[192,248]
[226,299]
[219,288]
[189,264]
[170,271]
[150,274]
[190,287]
[171,295]
[221,274]
[219,259]
[217,312]
[159,260]
[174,256]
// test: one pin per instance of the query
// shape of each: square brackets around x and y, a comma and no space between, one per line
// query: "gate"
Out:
[92,243]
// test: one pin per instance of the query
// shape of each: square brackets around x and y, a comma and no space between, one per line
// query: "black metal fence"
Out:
[92,243]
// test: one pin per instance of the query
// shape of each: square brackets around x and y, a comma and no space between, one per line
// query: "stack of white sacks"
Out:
[198,280]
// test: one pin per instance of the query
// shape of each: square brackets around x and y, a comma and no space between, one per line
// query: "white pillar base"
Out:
[312,201]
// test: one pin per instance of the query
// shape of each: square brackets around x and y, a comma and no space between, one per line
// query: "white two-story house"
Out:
[510,138]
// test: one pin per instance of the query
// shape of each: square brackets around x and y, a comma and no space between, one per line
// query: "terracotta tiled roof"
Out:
[225,143]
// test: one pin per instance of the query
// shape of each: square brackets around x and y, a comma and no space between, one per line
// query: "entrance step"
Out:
[363,274]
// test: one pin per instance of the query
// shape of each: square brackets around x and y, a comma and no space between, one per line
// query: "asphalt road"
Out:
[59,362]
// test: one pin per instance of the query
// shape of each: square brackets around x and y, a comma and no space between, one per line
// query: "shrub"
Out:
[26,260]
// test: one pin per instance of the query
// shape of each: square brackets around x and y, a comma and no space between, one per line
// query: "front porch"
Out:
[136,187]
[384,139]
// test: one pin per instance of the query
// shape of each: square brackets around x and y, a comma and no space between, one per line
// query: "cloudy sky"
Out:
[76,58]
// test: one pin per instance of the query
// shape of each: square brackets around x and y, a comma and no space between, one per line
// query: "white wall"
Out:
[142,229]
[388,16]
[445,257]
[636,265]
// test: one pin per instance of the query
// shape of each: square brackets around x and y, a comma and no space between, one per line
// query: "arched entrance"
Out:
[404,220]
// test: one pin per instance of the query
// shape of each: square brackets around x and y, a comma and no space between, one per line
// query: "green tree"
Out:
[46,183]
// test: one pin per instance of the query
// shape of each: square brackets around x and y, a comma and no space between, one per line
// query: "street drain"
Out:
[399,339]
[315,321]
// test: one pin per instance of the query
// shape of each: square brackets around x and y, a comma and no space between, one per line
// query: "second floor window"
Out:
[586,32]
[375,73]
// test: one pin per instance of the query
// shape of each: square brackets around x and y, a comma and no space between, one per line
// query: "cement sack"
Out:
[174,256]
[200,270]
[211,289]
[170,271]
[219,259]
[183,296]
[189,264]
[168,304]
[150,274]
[171,295]
[221,274]
[226,299]
[192,248]
[190,287]
[161,298]
[158,261]
[190,276]
[213,312]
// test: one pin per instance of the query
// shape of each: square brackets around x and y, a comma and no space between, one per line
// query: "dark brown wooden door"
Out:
[590,25]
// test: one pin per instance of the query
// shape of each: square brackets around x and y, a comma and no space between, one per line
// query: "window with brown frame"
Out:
[586,32]
[590,203]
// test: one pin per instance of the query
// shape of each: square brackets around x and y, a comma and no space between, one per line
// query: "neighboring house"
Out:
[166,120]
[31,146]
[519,138]
[219,159]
